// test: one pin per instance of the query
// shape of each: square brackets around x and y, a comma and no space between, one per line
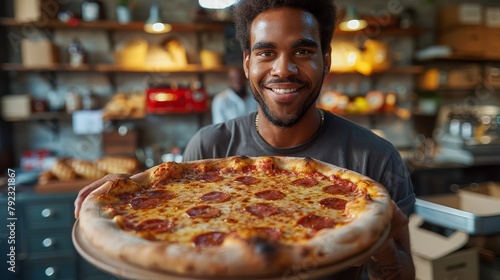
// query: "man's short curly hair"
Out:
[245,11]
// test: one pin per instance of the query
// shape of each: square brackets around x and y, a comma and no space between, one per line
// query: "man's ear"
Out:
[327,61]
[246,61]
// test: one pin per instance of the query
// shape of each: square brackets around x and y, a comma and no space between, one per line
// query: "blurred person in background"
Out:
[236,100]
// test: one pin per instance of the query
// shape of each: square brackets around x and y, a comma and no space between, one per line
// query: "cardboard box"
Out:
[39,52]
[437,257]
[116,142]
[492,42]
[492,17]
[464,40]
[492,76]
[464,77]
[27,10]
[465,14]
[467,211]
[16,106]
[487,191]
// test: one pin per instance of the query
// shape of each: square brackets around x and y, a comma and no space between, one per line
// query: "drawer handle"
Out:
[47,213]
[50,271]
[48,242]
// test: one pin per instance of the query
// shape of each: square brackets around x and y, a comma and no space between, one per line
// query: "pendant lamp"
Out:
[352,21]
[154,23]
[216,4]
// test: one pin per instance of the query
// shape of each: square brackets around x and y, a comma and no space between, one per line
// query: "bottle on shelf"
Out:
[92,10]
[76,53]
[73,100]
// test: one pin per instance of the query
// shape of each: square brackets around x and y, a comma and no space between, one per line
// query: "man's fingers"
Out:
[399,220]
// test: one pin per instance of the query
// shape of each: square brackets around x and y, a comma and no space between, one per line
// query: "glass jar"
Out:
[76,53]
[92,10]
[73,101]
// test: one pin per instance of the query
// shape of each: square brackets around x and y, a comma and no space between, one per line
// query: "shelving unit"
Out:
[110,68]
[452,63]
[405,69]
[61,75]
[113,25]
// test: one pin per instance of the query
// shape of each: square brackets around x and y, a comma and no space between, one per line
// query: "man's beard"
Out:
[296,117]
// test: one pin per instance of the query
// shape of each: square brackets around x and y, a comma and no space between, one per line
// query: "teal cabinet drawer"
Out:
[49,215]
[51,244]
[89,272]
[52,270]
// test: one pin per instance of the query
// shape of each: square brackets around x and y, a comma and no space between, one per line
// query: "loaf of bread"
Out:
[118,165]
[63,171]
[87,169]
[70,169]
[45,177]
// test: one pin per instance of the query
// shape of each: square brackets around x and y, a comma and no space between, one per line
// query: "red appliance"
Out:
[164,99]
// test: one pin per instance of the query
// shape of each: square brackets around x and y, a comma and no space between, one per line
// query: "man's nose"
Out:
[284,66]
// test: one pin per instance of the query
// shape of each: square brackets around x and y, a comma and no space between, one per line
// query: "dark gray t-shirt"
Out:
[339,142]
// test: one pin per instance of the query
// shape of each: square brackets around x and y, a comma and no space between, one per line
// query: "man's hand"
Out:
[399,220]
[393,259]
[83,193]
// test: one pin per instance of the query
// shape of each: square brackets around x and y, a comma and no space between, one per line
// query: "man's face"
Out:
[285,66]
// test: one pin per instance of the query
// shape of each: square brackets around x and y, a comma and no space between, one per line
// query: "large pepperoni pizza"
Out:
[236,216]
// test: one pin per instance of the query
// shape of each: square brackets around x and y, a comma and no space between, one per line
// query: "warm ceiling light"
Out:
[155,24]
[351,21]
[216,4]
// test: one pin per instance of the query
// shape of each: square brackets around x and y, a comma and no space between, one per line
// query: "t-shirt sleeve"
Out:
[193,150]
[210,141]
[396,178]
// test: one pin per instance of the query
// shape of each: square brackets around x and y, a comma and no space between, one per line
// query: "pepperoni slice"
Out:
[270,195]
[262,209]
[337,189]
[208,239]
[316,222]
[305,182]
[154,225]
[215,197]
[247,180]
[340,186]
[333,203]
[125,197]
[209,177]
[203,211]
[269,233]
[142,202]
[163,194]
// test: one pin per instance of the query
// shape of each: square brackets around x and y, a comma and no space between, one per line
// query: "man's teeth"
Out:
[283,91]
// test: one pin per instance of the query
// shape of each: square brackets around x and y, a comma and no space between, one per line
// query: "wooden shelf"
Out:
[114,25]
[369,32]
[110,68]
[55,116]
[42,116]
[411,69]
[372,32]
[192,68]
[460,58]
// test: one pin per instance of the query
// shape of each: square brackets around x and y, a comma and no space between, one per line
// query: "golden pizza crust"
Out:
[237,256]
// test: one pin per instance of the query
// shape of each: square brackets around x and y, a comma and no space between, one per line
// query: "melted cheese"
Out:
[234,218]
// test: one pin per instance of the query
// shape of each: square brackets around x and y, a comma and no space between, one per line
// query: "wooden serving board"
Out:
[58,186]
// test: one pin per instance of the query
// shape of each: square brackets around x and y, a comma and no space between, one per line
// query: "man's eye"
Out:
[265,54]
[303,52]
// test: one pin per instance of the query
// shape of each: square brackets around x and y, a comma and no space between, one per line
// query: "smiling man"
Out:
[286,55]
[286,46]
